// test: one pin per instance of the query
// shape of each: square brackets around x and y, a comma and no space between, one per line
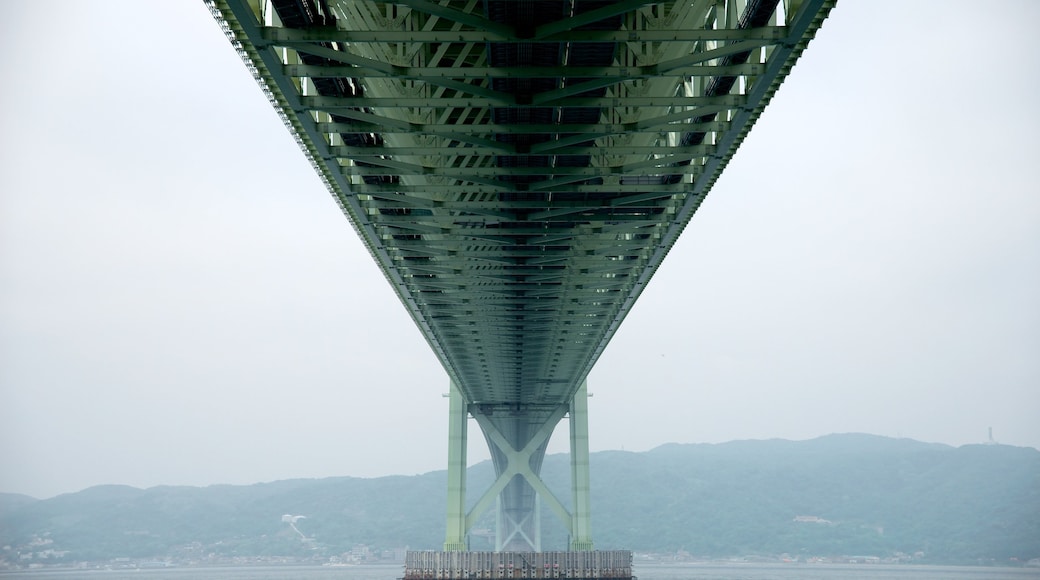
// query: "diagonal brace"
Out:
[518,463]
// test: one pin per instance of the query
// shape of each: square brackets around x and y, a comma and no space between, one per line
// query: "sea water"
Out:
[691,571]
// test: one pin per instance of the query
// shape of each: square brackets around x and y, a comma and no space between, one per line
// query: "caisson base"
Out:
[592,565]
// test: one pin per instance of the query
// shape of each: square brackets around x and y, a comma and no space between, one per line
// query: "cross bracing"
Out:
[519,168]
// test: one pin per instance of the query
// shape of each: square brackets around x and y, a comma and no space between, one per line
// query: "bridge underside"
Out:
[519,169]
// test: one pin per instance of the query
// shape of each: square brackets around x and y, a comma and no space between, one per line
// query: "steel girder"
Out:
[519,168]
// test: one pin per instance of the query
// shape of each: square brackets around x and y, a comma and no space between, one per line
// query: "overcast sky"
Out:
[181,301]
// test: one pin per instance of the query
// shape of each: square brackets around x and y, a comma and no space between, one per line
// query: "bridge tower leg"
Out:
[581,518]
[455,539]
[518,442]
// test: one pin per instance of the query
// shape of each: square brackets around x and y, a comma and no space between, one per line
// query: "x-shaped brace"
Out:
[518,462]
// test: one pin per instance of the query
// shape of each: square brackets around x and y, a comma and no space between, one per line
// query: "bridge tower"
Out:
[517,438]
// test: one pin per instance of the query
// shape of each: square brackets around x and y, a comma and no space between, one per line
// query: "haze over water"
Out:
[696,571]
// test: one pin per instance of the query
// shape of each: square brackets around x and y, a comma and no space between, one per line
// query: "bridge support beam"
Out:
[518,491]
[511,531]
[517,455]
[455,539]
[581,518]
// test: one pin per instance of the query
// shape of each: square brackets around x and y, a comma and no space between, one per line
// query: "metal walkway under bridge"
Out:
[519,169]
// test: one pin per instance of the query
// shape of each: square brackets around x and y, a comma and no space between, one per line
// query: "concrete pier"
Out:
[459,565]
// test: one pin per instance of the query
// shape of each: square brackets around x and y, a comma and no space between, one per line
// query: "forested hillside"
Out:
[875,495]
[841,494]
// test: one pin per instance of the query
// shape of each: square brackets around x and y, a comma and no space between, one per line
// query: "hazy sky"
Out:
[181,301]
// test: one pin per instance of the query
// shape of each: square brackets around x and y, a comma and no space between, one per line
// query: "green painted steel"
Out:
[517,448]
[581,487]
[519,169]
[455,536]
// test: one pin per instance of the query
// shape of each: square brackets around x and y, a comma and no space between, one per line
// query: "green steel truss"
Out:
[519,169]
[518,258]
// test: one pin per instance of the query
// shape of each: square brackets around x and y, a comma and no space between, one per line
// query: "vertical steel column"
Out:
[537,523]
[500,525]
[455,538]
[581,517]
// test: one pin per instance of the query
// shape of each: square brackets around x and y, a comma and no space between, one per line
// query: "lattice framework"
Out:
[519,168]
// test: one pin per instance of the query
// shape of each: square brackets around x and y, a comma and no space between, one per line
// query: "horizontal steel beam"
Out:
[460,151]
[659,168]
[335,104]
[589,132]
[608,73]
[626,203]
[278,36]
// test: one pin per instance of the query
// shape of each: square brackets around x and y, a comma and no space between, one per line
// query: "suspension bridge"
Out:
[519,169]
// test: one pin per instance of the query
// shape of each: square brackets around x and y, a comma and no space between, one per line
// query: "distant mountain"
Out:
[10,502]
[840,494]
[875,495]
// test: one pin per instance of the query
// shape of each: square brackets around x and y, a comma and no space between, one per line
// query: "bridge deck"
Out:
[519,168]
